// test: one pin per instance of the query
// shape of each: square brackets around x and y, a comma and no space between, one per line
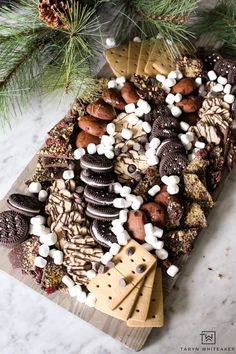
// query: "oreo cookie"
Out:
[163,134]
[24,204]
[209,59]
[232,78]
[170,146]
[157,111]
[97,180]
[224,66]
[98,196]
[14,228]
[99,212]
[166,122]
[101,232]
[173,164]
[96,163]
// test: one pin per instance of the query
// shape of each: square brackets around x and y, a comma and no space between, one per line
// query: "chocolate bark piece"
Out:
[52,277]
[149,89]
[150,179]
[180,241]
[22,256]
[189,66]
[174,212]
[195,190]
[195,217]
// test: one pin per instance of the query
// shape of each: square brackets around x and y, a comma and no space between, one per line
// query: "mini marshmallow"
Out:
[160,78]
[198,81]
[170,98]
[40,262]
[117,229]
[126,133]
[110,42]
[179,74]
[154,190]
[35,187]
[218,88]
[227,88]
[176,111]
[199,144]
[137,39]
[130,108]
[91,148]
[162,254]
[158,245]
[170,106]
[109,154]
[228,98]
[112,84]
[67,281]
[128,202]
[90,300]
[43,195]
[146,127]
[107,140]
[222,80]
[148,228]
[117,187]
[144,106]
[138,112]
[190,136]
[136,204]
[173,189]
[172,270]
[157,232]
[173,180]
[115,249]
[184,139]
[39,230]
[49,239]
[191,157]
[154,143]
[184,126]
[152,160]
[123,238]
[165,179]
[119,86]
[125,191]
[78,153]
[131,197]
[51,252]
[91,274]
[172,75]
[212,75]
[101,149]
[166,89]
[82,297]
[132,119]
[107,257]
[120,80]
[147,246]
[58,257]
[150,239]
[178,97]
[188,146]
[44,251]
[111,128]
[68,174]
[123,215]
[150,152]
[75,290]
[169,82]
[117,223]
[38,220]
[119,203]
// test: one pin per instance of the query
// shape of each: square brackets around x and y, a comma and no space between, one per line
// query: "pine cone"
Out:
[54,13]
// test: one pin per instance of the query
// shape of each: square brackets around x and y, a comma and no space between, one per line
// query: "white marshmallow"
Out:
[157,232]
[40,262]
[90,300]
[68,174]
[38,220]
[120,80]
[110,42]
[39,230]
[75,290]
[146,127]
[117,187]
[212,75]
[169,82]
[148,228]
[188,146]
[128,202]
[123,215]
[166,89]
[107,257]
[150,239]
[153,160]
[119,203]
[173,189]
[160,78]
[195,150]
[130,108]
[82,297]
[78,153]
[170,98]
[158,245]
[165,179]
[115,249]
[184,126]
[190,136]
[109,154]
[131,197]
[178,97]
[154,190]
[222,80]
[43,195]
[176,111]
[35,187]
[58,257]
[67,281]
[227,88]
[49,239]
[44,251]
[117,223]
[154,143]
[150,152]
[91,148]
[125,191]
[112,84]
[173,180]
[111,128]
[172,270]
[138,112]
[119,86]
[218,88]
[101,149]
[137,202]
[133,119]
[147,246]
[198,81]
[51,252]
[172,75]
[144,106]
[91,274]
[137,39]
[199,144]
[191,157]
[228,98]
[126,133]
[123,238]
[162,254]
[117,229]
[170,106]
[107,140]
[184,139]
[179,74]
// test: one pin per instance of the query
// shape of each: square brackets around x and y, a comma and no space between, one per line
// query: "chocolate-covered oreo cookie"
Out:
[159,110]
[170,146]
[96,163]
[97,180]
[173,164]
[101,232]
[100,212]
[222,67]
[14,228]
[98,196]
[24,204]
[166,122]
[232,79]
[209,59]
[163,134]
